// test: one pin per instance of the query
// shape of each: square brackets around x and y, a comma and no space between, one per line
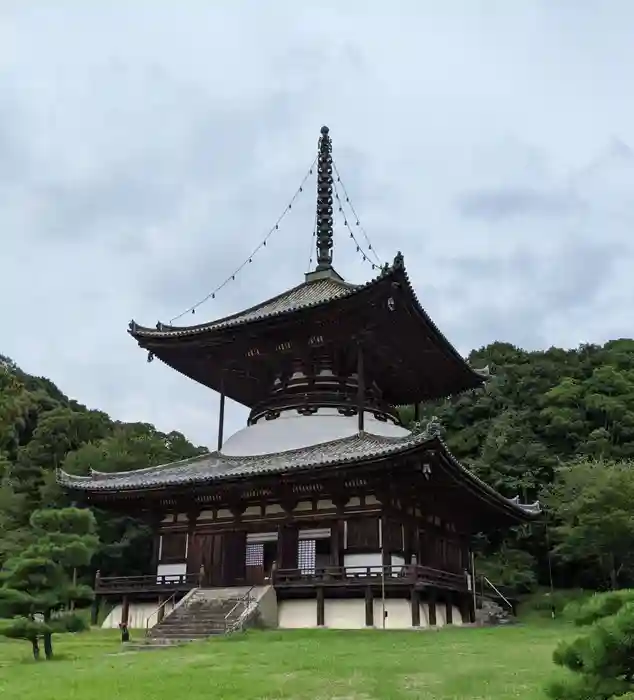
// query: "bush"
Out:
[597,607]
[545,602]
[602,661]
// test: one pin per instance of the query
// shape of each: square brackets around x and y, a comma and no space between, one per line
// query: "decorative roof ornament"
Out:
[434,427]
[325,184]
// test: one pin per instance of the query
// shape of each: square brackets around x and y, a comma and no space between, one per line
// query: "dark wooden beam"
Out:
[360,387]
[369,607]
[449,608]
[221,414]
[415,603]
[125,610]
[431,602]
[321,607]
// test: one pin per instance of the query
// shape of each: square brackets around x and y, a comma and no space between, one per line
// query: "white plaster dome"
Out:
[293,431]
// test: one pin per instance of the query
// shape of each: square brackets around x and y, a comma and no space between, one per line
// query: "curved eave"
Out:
[246,318]
[238,469]
[166,343]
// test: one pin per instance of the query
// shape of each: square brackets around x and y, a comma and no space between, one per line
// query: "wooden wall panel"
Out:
[287,546]
[207,551]
[174,547]
[363,535]
[234,563]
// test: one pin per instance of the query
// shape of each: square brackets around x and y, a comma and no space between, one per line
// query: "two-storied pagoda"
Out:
[324,493]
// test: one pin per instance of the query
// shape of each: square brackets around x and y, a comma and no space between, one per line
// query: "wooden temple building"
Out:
[324,495]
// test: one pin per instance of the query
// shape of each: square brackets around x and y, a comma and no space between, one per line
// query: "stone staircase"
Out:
[206,613]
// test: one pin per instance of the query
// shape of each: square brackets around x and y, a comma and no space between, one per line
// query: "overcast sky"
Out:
[147,147]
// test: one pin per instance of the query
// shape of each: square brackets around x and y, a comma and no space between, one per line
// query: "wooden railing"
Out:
[141,584]
[350,575]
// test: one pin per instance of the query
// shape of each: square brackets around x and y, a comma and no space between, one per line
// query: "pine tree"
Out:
[36,586]
[601,662]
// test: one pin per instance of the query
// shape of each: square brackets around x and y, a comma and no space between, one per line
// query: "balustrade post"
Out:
[369,607]
[432,607]
[415,603]
[321,607]
[160,615]
[449,608]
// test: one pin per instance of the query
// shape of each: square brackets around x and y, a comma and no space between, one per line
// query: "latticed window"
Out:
[255,554]
[306,556]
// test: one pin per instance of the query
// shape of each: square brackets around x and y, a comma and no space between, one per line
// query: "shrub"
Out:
[601,663]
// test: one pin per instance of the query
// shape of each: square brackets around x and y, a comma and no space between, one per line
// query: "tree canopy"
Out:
[41,430]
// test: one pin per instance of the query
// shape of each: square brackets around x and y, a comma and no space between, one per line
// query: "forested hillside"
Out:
[42,429]
[556,425]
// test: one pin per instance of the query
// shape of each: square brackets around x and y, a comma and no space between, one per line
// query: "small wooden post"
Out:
[321,607]
[160,616]
[449,608]
[94,611]
[415,602]
[369,607]
[360,387]
[221,414]
[432,608]
[416,412]
[125,610]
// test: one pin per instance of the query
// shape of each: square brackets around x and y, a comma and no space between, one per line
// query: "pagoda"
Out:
[324,496]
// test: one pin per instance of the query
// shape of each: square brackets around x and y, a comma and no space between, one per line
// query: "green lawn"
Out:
[497,663]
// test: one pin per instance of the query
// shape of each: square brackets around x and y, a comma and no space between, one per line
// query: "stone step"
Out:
[186,631]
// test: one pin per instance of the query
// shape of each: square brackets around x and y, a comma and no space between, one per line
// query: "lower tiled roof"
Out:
[215,466]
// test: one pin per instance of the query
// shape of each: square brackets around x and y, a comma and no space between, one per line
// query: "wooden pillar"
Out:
[156,540]
[384,524]
[125,610]
[369,607]
[415,602]
[417,412]
[472,610]
[360,387]
[161,611]
[449,608]
[321,607]
[467,609]
[431,602]
[94,611]
[221,413]
[336,542]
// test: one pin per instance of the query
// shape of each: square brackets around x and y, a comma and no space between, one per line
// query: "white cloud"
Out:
[146,147]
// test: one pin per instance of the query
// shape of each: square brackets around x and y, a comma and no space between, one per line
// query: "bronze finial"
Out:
[324,201]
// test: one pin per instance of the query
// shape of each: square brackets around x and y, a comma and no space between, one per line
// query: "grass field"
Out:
[494,663]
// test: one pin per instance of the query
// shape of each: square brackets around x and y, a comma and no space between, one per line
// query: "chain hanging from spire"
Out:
[325,184]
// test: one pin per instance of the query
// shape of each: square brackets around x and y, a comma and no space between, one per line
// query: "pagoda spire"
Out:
[325,185]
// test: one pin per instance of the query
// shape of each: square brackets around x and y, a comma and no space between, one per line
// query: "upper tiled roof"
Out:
[305,295]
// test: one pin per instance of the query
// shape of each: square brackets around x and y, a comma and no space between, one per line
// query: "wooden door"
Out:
[287,547]
[234,559]
[206,550]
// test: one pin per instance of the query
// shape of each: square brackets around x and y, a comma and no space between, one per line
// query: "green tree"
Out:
[601,662]
[36,586]
[592,503]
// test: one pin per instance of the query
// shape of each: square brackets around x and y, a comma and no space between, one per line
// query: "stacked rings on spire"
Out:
[324,201]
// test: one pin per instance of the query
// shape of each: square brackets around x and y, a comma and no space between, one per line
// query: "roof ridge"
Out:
[348,288]
[145,470]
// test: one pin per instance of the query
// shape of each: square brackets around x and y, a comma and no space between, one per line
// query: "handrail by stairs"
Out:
[499,593]
[156,612]
[246,597]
